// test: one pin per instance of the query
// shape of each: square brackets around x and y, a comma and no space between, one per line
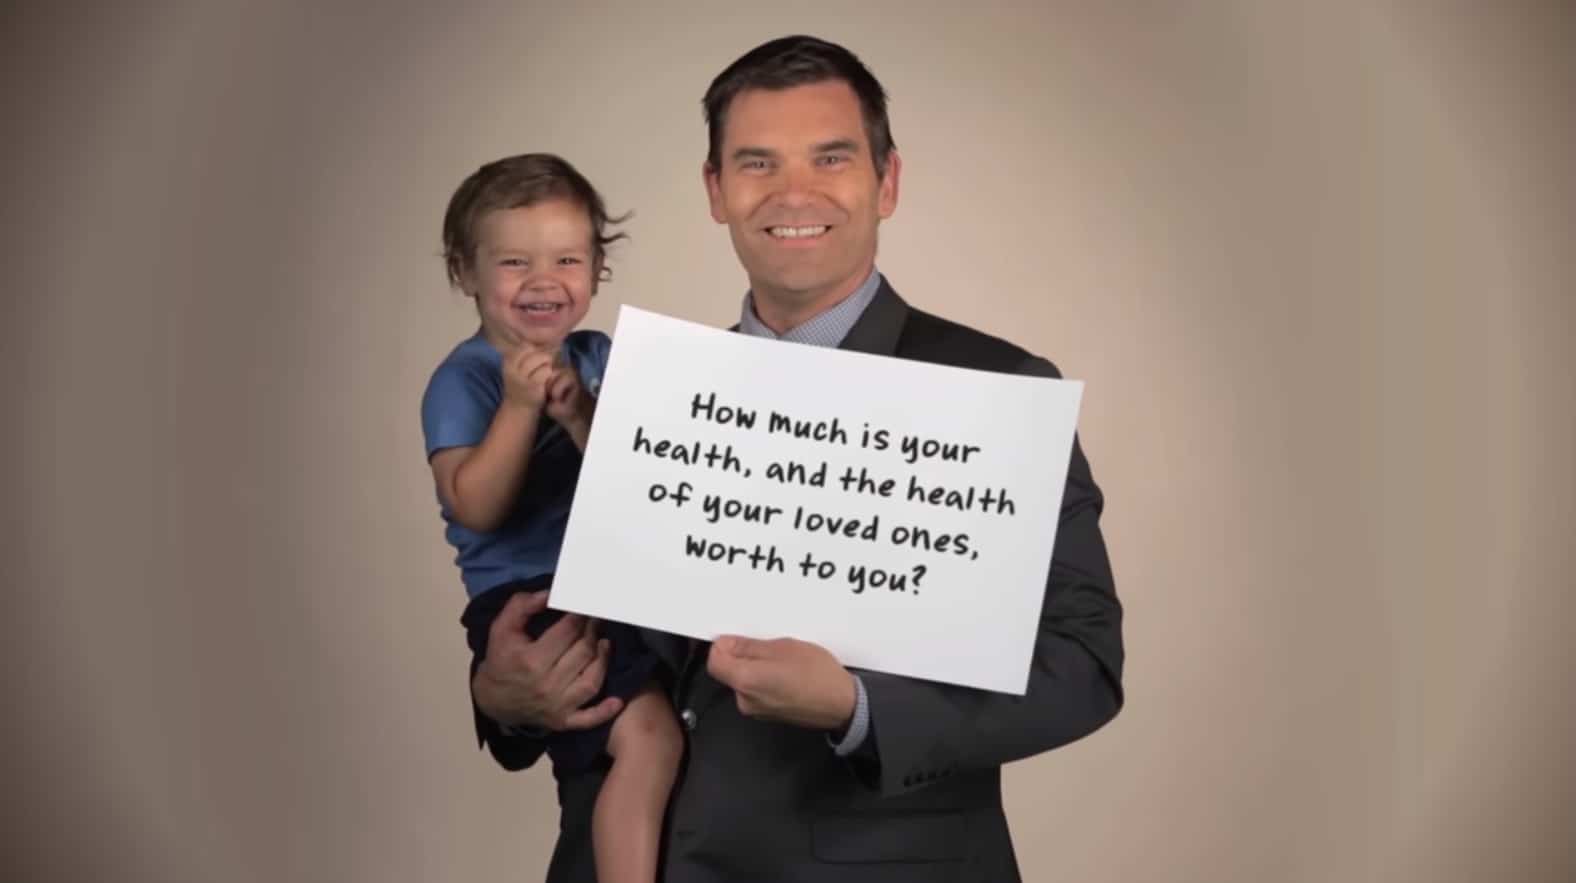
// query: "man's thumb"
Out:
[743,648]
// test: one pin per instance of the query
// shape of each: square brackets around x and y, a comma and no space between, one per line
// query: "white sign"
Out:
[898,513]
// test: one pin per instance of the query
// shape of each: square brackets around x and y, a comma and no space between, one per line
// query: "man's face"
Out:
[798,189]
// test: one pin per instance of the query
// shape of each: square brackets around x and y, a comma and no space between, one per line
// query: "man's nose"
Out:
[798,186]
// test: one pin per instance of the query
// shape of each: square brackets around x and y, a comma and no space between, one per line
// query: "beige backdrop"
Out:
[1313,261]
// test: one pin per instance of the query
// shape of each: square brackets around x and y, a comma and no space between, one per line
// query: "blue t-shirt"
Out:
[456,410]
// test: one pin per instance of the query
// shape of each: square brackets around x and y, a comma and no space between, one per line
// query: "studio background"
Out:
[1313,262]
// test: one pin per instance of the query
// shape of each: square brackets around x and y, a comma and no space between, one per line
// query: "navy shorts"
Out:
[631,665]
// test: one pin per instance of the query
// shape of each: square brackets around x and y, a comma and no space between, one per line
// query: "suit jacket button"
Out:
[688,717]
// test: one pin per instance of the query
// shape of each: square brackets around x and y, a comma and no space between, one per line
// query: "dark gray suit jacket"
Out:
[921,800]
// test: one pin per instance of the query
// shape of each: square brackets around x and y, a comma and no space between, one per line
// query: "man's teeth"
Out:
[796,232]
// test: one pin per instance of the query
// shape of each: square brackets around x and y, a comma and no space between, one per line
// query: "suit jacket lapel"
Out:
[877,330]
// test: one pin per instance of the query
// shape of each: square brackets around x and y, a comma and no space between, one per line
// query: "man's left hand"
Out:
[785,680]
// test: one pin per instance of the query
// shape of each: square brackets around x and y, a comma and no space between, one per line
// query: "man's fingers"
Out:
[587,684]
[588,680]
[574,660]
[737,672]
[580,652]
[720,663]
[509,624]
[745,705]
[743,648]
[596,715]
[560,635]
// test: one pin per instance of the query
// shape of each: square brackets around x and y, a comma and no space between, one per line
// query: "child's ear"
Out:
[465,280]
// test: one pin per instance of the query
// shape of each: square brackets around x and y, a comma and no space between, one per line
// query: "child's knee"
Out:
[647,729]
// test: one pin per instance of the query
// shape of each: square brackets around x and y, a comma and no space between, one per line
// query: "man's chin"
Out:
[800,281]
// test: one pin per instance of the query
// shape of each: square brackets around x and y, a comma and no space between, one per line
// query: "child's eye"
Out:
[514,262]
[569,261]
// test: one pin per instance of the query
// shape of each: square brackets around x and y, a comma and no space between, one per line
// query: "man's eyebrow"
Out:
[839,145]
[753,153]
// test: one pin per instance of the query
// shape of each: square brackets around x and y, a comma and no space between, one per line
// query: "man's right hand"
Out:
[542,683]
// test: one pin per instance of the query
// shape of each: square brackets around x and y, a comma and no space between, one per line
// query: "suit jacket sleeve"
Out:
[924,731]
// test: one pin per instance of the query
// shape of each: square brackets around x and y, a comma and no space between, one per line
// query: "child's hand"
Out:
[527,374]
[569,403]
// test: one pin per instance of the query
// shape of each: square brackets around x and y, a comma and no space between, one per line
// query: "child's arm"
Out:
[480,483]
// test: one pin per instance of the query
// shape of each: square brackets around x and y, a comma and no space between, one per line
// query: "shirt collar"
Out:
[826,329]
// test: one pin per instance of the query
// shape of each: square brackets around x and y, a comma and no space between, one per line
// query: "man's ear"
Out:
[713,181]
[886,196]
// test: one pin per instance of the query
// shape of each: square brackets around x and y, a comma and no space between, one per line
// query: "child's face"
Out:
[532,274]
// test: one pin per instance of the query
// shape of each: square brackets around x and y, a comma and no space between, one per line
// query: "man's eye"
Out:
[831,159]
[754,164]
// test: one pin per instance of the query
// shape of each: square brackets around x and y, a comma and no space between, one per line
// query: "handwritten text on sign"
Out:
[900,514]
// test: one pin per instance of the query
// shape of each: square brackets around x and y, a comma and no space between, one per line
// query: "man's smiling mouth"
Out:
[809,232]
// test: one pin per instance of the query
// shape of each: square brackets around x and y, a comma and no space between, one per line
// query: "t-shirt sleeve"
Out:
[458,406]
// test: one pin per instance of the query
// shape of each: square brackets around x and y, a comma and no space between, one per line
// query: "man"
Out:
[797,768]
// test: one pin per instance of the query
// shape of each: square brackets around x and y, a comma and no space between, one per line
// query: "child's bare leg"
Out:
[626,824]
